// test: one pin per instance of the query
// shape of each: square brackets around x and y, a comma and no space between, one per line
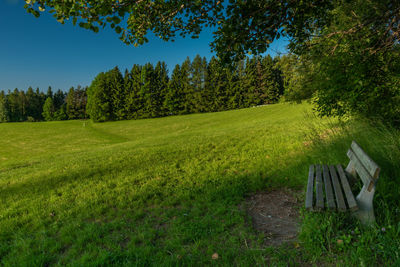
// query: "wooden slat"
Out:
[330,200]
[310,188]
[338,191]
[372,168]
[318,189]
[351,202]
[362,172]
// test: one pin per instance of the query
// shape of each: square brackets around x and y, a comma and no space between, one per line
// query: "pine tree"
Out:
[49,93]
[146,90]
[175,96]
[250,83]
[48,109]
[160,89]
[33,109]
[187,88]
[61,113]
[70,104]
[76,103]
[59,99]
[3,107]
[217,86]
[116,84]
[198,73]
[132,83]
[237,95]
[99,102]
[269,83]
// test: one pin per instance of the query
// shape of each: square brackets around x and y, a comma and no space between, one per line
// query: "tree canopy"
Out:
[241,26]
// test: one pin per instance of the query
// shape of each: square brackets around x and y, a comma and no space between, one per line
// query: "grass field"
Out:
[167,192]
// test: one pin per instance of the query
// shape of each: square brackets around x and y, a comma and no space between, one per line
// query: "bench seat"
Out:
[332,189]
[328,187]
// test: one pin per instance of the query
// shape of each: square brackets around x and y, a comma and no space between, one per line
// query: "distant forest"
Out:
[148,91]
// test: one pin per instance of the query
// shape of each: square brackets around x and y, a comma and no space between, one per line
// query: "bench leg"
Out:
[350,170]
[365,212]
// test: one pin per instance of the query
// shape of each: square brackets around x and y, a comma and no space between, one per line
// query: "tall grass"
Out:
[339,238]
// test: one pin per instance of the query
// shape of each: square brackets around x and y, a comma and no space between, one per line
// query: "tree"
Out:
[319,28]
[58,99]
[99,99]
[187,89]
[175,96]
[198,74]
[160,89]
[132,83]
[242,26]
[3,107]
[146,93]
[297,77]
[115,81]
[61,113]
[48,109]
[75,106]
[353,73]
[216,86]
[270,81]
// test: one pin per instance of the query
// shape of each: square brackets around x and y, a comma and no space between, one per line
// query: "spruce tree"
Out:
[175,97]
[217,86]
[269,83]
[49,92]
[33,109]
[70,104]
[160,89]
[198,73]
[3,107]
[146,92]
[48,109]
[250,83]
[99,101]
[116,84]
[237,98]
[132,83]
[59,99]
[187,88]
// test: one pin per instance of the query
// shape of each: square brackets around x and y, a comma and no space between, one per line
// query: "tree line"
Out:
[194,86]
[149,91]
[34,105]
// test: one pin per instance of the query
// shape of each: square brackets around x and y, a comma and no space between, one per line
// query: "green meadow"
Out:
[169,191]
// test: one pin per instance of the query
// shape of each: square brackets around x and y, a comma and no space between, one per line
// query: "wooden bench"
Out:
[333,180]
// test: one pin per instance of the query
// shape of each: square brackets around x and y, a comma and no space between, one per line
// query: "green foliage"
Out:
[242,26]
[61,113]
[174,97]
[132,82]
[99,100]
[48,109]
[3,107]
[352,77]
[75,104]
[297,77]
[115,82]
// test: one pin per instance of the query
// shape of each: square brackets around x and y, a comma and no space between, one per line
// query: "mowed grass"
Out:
[169,191]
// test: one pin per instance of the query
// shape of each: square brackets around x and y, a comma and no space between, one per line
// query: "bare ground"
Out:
[276,214]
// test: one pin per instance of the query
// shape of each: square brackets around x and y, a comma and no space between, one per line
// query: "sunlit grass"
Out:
[167,191]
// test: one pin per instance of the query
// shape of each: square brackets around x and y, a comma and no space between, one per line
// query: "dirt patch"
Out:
[276,214]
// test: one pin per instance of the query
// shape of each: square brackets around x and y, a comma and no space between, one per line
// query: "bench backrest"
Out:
[360,162]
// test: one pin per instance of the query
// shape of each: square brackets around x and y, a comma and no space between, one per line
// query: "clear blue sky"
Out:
[40,52]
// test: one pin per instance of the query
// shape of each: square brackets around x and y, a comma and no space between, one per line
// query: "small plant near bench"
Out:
[333,180]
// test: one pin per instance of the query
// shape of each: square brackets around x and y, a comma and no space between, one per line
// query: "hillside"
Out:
[168,191]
